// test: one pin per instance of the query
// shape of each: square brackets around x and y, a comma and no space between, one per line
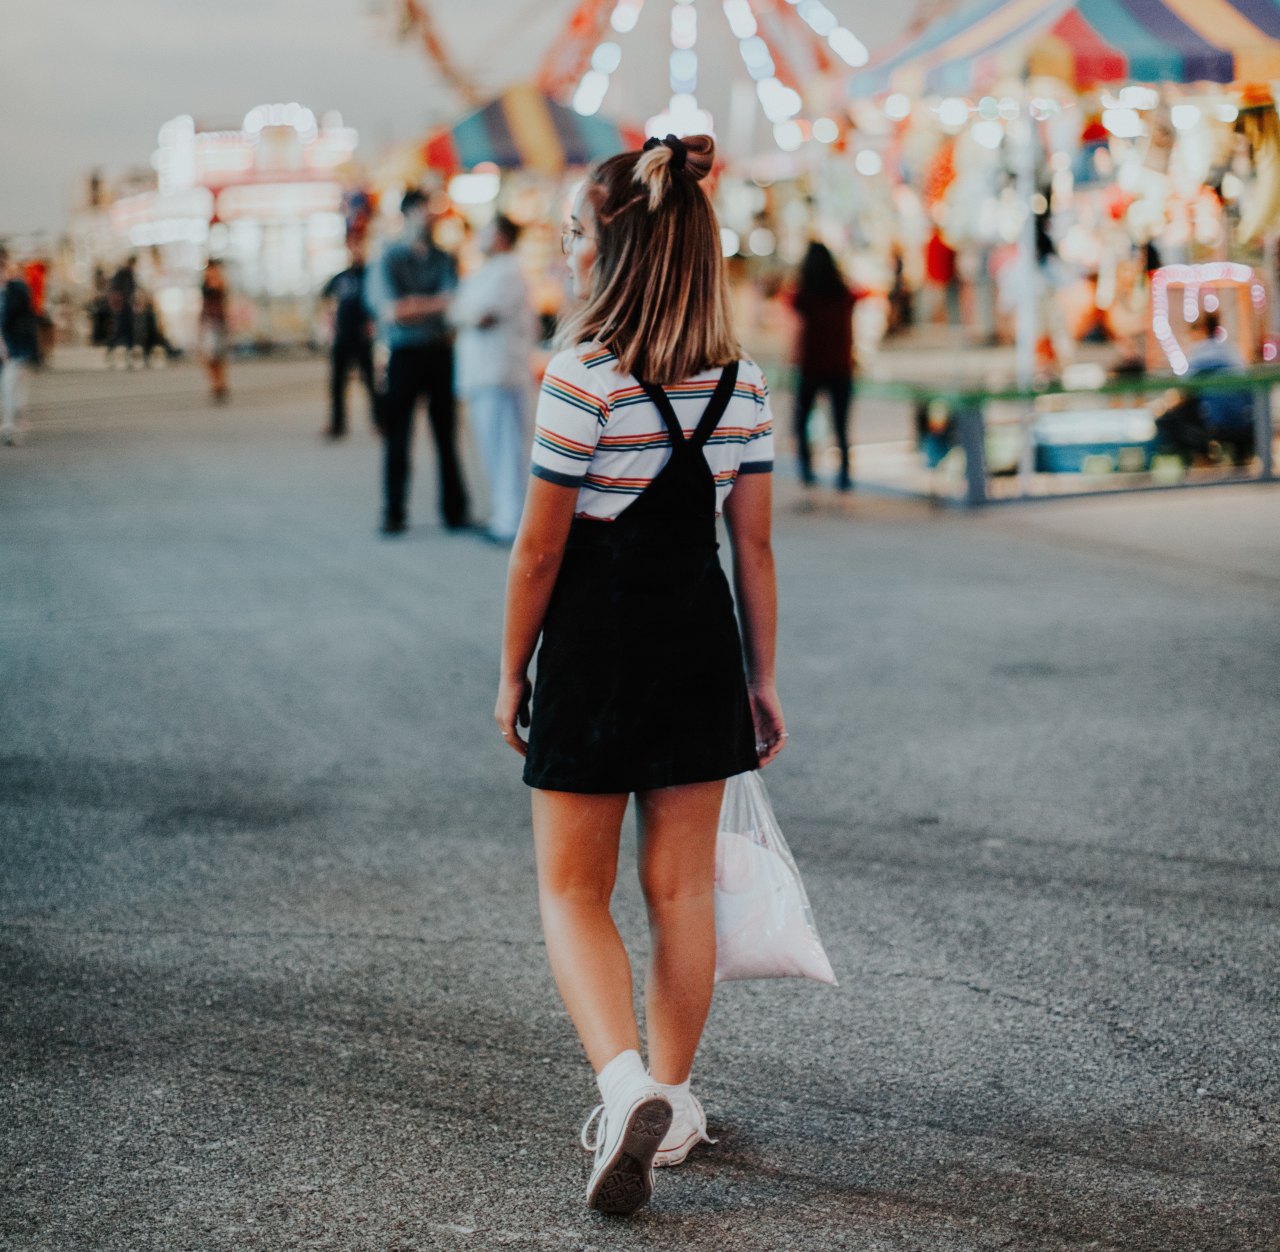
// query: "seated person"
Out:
[1196,422]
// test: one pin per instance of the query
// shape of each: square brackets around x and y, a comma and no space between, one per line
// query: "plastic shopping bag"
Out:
[764,925]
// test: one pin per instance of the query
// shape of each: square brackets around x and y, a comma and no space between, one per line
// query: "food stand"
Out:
[267,198]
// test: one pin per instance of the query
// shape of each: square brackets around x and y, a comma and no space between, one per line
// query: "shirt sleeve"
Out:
[390,277]
[465,307]
[377,294]
[572,411]
[757,457]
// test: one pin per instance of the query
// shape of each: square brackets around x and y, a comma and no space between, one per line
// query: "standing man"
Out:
[495,337]
[414,282]
[121,291]
[18,345]
[352,339]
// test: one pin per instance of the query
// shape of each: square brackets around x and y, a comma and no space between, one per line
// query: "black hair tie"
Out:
[679,153]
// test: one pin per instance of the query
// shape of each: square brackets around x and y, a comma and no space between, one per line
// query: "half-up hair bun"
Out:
[663,158]
[700,155]
[658,297]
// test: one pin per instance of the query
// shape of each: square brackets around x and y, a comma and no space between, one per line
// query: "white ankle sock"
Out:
[625,1070]
[676,1092]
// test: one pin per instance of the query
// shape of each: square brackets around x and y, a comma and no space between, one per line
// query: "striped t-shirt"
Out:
[598,431]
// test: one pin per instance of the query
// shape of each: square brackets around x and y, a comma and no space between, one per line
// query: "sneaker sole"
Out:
[625,1184]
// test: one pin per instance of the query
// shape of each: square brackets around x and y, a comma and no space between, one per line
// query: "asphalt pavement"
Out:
[272,971]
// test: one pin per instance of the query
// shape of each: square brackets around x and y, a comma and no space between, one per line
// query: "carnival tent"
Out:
[1086,43]
[524,129]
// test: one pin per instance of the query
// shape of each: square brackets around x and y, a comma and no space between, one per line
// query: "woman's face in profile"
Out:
[582,246]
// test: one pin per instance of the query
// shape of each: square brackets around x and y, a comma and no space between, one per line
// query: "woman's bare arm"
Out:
[748,513]
[531,576]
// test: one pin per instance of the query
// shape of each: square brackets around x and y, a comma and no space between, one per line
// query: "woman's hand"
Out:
[512,709]
[531,577]
[766,713]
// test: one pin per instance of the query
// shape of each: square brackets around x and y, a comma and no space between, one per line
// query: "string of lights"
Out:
[594,84]
[568,57]
[682,116]
[781,103]
[840,39]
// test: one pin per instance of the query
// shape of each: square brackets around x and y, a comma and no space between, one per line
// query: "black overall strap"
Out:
[719,402]
[659,397]
[711,416]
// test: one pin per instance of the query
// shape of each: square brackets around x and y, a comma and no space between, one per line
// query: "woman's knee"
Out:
[678,845]
[675,883]
[666,896]
[570,887]
[571,875]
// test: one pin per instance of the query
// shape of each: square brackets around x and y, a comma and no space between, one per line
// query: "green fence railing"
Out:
[966,405]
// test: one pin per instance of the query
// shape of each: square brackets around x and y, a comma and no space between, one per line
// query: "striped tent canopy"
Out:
[1085,43]
[523,129]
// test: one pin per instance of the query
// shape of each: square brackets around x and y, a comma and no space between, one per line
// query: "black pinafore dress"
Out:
[640,680]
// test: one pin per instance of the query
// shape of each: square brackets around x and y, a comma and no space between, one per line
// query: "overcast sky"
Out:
[87,83]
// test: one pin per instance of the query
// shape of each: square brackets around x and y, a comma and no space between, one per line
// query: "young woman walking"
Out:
[214,332]
[823,302]
[649,424]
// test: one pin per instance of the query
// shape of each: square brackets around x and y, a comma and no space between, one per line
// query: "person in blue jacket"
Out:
[1213,422]
[413,285]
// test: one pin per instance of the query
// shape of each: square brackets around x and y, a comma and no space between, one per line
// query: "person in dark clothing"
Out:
[352,340]
[824,355]
[150,331]
[19,347]
[901,301]
[120,294]
[101,319]
[412,284]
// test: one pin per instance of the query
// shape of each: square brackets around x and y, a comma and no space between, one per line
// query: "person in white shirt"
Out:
[495,337]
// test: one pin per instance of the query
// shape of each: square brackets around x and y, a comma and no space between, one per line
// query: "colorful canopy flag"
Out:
[1085,42]
[523,129]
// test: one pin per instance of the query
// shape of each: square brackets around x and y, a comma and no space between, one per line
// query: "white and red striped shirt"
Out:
[598,431]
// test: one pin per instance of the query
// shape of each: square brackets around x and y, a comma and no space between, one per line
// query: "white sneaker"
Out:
[626,1136]
[688,1129]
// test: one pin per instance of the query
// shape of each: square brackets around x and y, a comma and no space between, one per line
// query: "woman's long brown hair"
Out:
[658,300]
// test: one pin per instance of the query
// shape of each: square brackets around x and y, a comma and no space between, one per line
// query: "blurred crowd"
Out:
[412,328]
[123,319]
[445,311]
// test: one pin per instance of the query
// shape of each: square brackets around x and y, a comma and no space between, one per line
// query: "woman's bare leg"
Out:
[576,842]
[216,366]
[677,873]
